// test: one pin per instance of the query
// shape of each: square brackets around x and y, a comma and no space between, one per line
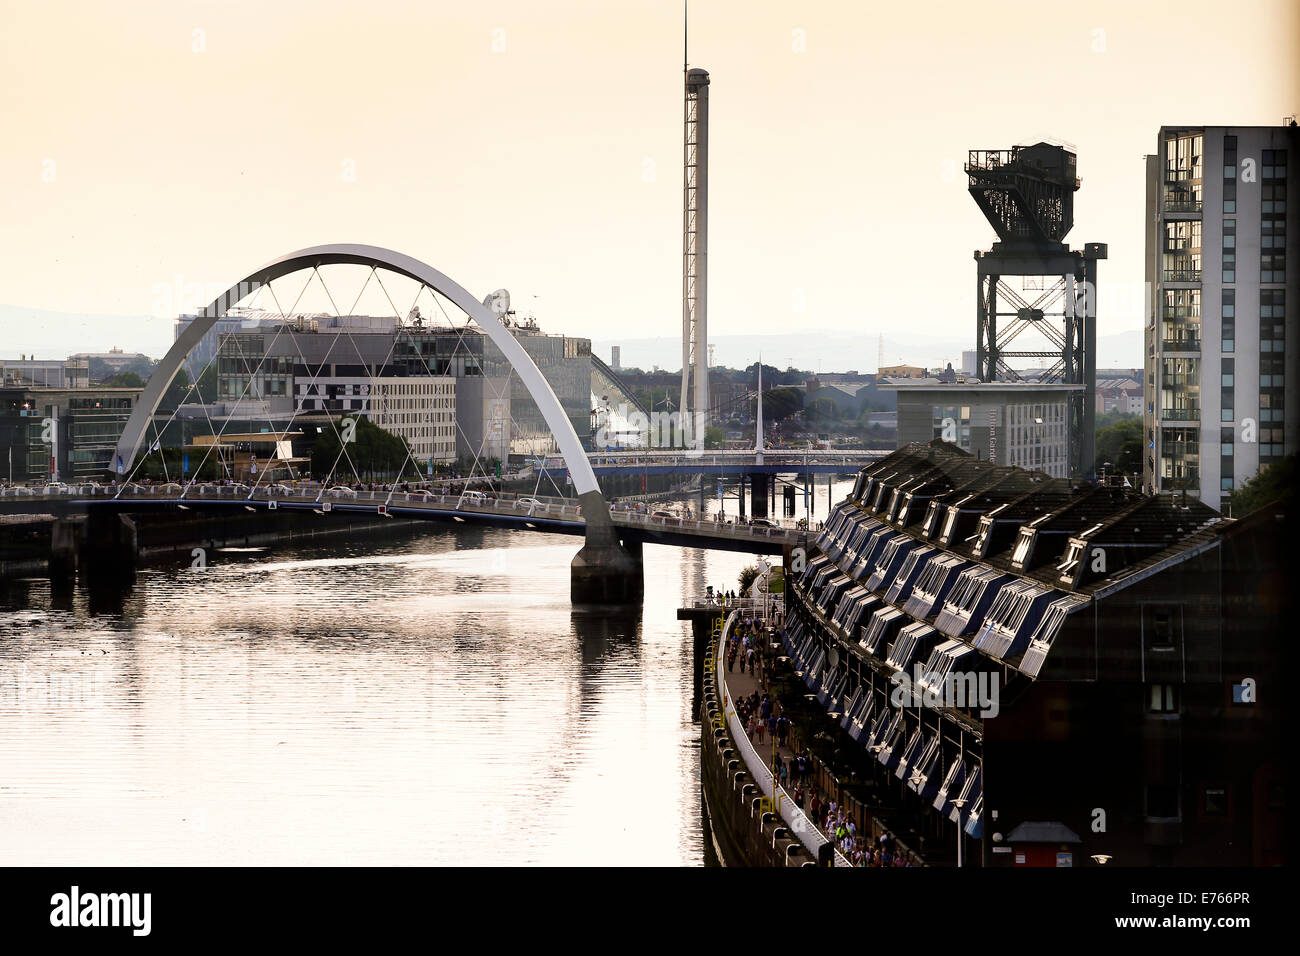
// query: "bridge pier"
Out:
[65,549]
[605,573]
[109,549]
[758,495]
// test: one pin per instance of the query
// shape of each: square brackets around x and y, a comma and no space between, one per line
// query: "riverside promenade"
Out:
[817,779]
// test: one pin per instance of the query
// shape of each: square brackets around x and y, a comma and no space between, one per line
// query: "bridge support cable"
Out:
[243,392]
[297,406]
[460,331]
[603,573]
[192,390]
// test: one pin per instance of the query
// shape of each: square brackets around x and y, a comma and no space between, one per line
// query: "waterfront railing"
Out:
[560,509]
[800,824]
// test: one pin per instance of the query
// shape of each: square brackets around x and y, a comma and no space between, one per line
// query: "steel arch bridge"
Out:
[602,570]
[584,479]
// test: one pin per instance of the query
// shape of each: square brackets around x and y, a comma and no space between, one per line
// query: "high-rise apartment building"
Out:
[1220,398]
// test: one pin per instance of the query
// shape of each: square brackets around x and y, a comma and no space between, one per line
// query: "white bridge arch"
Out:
[584,479]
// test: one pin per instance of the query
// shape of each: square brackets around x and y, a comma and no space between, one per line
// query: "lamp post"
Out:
[959,803]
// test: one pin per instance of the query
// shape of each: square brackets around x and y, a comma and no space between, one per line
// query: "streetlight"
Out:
[959,803]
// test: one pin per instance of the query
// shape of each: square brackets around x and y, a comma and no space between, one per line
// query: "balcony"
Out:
[1179,204]
[1182,274]
[1182,343]
[1180,415]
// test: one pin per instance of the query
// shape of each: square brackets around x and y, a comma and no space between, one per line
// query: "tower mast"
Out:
[695,245]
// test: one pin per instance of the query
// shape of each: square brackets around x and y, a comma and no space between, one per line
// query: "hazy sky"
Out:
[538,147]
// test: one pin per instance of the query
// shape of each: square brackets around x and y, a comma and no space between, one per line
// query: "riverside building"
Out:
[1220,386]
[1117,655]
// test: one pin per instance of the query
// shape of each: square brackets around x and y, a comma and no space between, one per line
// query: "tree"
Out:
[748,575]
[779,403]
[1272,483]
[1121,445]
[124,380]
[206,390]
[713,437]
[177,392]
[373,452]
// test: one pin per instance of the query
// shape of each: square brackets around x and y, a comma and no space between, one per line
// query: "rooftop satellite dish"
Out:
[498,302]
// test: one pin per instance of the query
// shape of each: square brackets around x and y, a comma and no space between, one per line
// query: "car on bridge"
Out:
[763,523]
[339,490]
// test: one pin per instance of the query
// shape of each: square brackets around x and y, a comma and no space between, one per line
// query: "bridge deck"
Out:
[547,514]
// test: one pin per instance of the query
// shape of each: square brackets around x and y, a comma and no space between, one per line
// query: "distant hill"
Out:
[50,335]
[838,351]
[56,335]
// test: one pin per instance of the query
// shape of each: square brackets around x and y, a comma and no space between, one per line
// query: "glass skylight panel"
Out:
[931,584]
[931,518]
[847,604]
[905,645]
[883,625]
[940,664]
[1024,539]
[894,500]
[887,555]
[951,786]
[969,791]
[962,603]
[907,572]
[924,766]
[1040,642]
[949,523]
[910,751]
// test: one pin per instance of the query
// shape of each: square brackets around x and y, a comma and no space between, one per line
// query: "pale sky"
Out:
[538,147]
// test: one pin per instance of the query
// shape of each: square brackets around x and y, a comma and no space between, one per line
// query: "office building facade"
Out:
[1220,399]
[1006,423]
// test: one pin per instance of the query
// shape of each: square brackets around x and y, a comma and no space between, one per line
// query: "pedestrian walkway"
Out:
[865,849]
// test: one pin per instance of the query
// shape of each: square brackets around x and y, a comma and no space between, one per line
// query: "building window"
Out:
[1216,801]
[1162,699]
[1162,629]
[1274,164]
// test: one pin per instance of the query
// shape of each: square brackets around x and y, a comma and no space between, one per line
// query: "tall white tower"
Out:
[695,247]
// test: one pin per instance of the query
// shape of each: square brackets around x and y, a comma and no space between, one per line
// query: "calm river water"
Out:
[421,699]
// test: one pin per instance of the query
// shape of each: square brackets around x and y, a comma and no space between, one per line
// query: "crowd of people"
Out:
[748,648]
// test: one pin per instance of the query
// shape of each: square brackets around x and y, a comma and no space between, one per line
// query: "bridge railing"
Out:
[511,504]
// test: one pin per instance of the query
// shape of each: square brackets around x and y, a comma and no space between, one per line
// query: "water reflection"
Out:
[413,700]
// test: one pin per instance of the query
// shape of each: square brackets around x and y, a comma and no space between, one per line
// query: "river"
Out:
[420,698]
